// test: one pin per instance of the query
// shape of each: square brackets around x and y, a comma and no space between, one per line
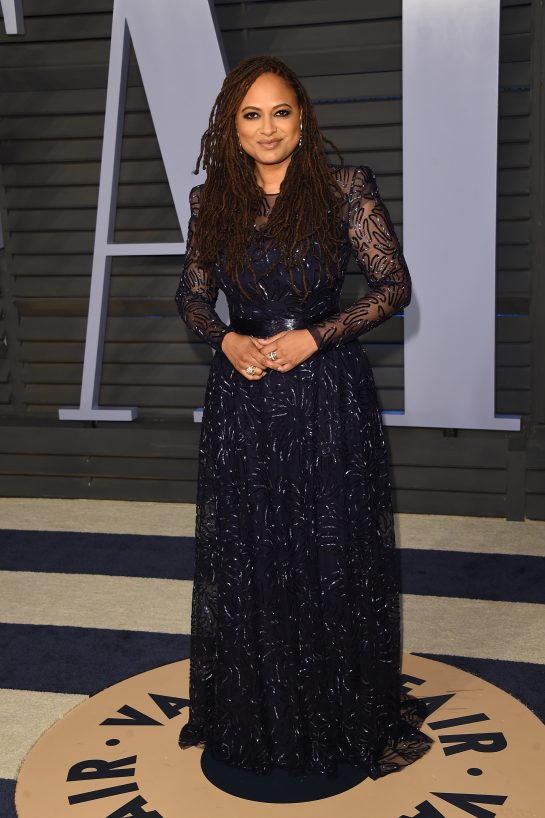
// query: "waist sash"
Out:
[263,327]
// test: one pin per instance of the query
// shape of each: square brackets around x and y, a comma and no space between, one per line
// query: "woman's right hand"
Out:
[242,352]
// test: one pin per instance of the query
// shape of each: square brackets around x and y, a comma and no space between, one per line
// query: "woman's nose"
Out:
[268,125]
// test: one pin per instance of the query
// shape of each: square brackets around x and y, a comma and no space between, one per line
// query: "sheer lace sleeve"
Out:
[197,291]
[380,257]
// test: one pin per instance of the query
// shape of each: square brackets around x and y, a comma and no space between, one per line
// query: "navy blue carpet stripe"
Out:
[127,555]
[503,577]
[81,660]
[7,798]
[86,660]
[510,578]
[523,680]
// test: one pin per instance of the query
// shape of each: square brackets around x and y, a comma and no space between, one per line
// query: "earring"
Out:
[301,137]
[239,145]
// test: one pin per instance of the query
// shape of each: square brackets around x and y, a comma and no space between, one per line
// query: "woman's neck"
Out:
[270,177]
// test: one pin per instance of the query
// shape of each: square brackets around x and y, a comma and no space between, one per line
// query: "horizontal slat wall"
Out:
[431,473]
[52,97]
[7,401]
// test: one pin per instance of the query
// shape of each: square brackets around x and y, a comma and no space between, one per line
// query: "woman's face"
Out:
[268,120]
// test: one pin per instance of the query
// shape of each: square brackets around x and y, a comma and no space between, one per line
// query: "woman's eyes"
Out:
[282,111]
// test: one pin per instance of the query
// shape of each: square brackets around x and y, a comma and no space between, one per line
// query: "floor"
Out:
[473,596]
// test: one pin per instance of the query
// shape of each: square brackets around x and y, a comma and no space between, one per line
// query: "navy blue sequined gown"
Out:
[295,627]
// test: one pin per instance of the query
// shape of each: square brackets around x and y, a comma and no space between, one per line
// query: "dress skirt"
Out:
[295,624]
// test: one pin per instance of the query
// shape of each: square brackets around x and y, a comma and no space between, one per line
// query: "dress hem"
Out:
[408,746]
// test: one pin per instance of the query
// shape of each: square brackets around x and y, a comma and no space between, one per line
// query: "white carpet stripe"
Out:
[485,535]
[432,624]
[474,627]
[98,516]
[480,535]
[24,716]
[95,601]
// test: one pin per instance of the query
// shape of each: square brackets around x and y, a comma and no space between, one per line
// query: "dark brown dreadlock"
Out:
[307,208]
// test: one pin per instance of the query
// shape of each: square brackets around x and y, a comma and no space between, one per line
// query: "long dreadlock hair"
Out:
[307,208]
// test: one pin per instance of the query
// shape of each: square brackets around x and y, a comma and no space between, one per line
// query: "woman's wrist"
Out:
[227,332]
[315,339]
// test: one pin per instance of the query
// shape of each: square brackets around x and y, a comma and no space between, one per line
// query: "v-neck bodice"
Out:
[261,218]
[266,289]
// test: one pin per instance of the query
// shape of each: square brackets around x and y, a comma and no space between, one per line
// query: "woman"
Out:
[295,642]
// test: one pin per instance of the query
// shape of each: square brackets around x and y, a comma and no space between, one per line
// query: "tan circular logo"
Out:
[116,755]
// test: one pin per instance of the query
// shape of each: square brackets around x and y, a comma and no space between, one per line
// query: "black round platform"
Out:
[278,786]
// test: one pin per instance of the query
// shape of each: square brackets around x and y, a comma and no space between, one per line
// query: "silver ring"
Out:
[272,355]
[250,369]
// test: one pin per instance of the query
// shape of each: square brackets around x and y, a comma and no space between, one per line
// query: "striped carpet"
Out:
[93,592]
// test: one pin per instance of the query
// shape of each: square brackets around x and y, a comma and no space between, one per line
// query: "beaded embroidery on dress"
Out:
[295,624]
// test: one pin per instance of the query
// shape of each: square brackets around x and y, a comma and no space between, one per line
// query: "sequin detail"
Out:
[295,623]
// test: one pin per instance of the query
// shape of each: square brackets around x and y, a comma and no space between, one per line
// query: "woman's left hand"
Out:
[292,346]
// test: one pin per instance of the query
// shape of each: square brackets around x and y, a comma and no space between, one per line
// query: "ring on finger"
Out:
[272,355]
[250,369]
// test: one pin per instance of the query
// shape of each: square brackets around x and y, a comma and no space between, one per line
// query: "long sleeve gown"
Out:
[295,624]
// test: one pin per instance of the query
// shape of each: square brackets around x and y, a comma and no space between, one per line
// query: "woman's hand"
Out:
[291,346]
[242,352]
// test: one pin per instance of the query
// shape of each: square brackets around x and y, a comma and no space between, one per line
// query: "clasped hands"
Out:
[292,346]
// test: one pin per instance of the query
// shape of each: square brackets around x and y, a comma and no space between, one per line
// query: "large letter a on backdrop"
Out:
[182,67]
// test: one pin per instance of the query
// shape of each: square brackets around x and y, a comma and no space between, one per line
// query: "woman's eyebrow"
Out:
[280,105]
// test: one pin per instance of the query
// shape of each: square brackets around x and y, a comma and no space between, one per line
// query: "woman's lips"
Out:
[271,144]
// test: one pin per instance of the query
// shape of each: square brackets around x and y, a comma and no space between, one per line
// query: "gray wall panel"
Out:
[52,93]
